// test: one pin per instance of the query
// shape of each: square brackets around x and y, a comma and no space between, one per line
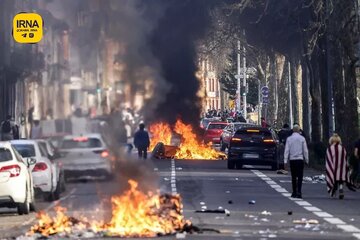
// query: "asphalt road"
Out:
[209,185]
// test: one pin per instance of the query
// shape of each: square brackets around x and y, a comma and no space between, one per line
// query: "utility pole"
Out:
[244,82]
[290,98]
[259,102]
[330,106]
[238,76]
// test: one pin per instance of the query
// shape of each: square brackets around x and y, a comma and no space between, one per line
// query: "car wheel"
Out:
[239,165]
[53,196]
[62,183]
[222,146]
[57,191]
[24,208]
[230,165]
[32,207]
[109,177]
[274,166]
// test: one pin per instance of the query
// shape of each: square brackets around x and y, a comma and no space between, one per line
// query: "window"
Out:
[18,156]
[216,126]
[5,155]
[25,150]
[43,149]
[81,143]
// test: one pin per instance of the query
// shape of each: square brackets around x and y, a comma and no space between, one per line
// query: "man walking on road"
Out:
[296,152]
[142,141]
[7,129]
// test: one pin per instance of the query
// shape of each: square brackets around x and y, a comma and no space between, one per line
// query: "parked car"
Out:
[229,131]
[206,121]
[53,154]
[85,155]
[16,182]
[255,146]
[214,131]
[46,174]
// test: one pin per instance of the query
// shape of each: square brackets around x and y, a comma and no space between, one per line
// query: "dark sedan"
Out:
[255,146]
[229,131]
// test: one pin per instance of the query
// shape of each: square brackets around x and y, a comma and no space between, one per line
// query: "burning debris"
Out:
[134,214]
[160,132]
[189,148]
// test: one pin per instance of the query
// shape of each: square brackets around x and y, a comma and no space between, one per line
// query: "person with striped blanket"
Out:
[336,167]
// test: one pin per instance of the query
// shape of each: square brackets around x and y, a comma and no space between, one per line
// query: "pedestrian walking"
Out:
[142,141]
[7,129]
[284,133]
[264,124]
[36,131]
[336,167]
[355,165]
[296,153]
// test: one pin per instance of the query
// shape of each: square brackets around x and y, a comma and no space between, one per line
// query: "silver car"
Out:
[85,155]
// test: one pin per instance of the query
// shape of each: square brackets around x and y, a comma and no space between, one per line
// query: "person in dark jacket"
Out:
[142,141]
[284,133]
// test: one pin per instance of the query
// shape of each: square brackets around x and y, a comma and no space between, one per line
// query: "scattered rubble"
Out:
[282,171]
[305,221]
[315,179]
[266,213]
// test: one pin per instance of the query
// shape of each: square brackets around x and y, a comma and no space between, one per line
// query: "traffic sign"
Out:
[265,100]
[265,91]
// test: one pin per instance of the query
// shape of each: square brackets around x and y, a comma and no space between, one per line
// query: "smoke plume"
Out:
[173,43]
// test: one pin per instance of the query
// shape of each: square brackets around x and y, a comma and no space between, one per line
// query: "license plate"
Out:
[216,139]
[250,155]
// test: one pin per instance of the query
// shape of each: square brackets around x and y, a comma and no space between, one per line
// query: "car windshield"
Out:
[253,134]
[216,126]
[81,143]
[205,122]
[25,150]
[238,126]
[5,155]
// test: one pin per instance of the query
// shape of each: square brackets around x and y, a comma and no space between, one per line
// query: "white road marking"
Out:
[303,203]
[173,178]
[356,235]
[335,221]
[307,206]
[281,190]
[53,204]
[323,214]
[313,209]
[349,228]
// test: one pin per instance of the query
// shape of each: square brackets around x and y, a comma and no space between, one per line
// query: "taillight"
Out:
[104,154]
[13,169]
[268,141]
[234,139]
[40,167]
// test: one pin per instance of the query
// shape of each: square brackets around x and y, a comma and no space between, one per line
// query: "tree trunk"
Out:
[315,101]
[305,98]
[324,83]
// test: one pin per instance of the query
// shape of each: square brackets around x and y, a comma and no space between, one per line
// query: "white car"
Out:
[45,174]
[85,155]
[16,183]
[53,155]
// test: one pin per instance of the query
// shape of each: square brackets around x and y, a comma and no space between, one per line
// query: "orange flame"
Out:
[138,214]
[134,214]
[191,148]
[61,223]
[160,132]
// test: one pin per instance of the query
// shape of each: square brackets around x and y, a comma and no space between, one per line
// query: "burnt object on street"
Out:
[162,151]
[211,211]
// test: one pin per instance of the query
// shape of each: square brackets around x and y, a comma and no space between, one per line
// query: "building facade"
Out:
[210,86]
